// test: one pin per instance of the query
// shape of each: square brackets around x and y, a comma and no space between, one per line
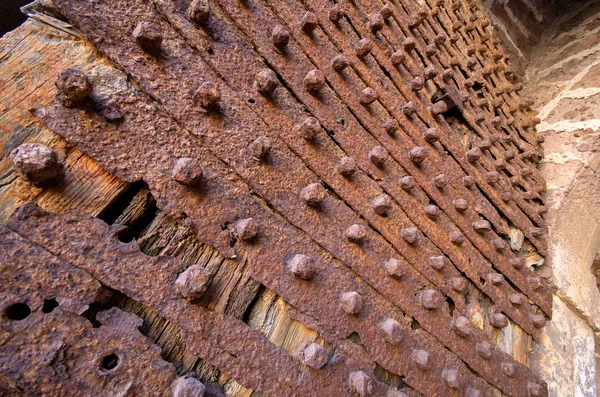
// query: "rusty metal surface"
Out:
[47,349]
[146,144]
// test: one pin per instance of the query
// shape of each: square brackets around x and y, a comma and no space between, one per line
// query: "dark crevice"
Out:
[116,207]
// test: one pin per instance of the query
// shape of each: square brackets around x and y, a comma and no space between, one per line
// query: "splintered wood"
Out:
[337,199]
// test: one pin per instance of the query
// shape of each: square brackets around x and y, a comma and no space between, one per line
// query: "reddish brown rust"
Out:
[314,355]
[148,37]
[193,282]
[351,302]
[35,162]
[73,86]
[187,171]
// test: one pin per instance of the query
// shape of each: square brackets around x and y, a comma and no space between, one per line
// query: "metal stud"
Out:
[246,229]
[148,37]
[280,37]
[417,154]
[407,183]
[367,96]
[451,378]
[498,320]
[391,330]
[378,156]
[346,166]
[421,359]
[410,234]
[361,383]
[432,211]
[309,22]
[363,47]
[356,233]
[394,268]
[314,355]
[313,195]
[309,128]
[461,326]
[438,262]
[193,282]
[339,63]
[199,12]
[314,81]
[431,299]
[351,302]
[301,266]
[381,204]
[266,81]
[456,237]
[485,349]
[187,171]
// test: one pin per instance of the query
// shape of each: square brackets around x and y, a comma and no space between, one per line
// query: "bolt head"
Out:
[485,349]
[458,284]
[516,299]
[457,237]
[409,44]
[391,330]
[461,326]
[461,205]
[346,166]
[314,355]
[186,386]
[356,233]
[508,369]
[309,128]
[395,268]
[187,171]
[266,81]
[496,278]
[376,22]
[361,383]
[407,183]
[386,11]
[36,163]
[499,244]
[367,96]
[432,211]
[313,195]
[498,320]
[280,36]
[193,282]
[517,263]
[378,155]
[301,266]
[260,148]
[246,229]
[381,204]
[73,86]
[335,13]
[199,12]
[410,234]
[208,94]
[451,378]
[492,177]
[431,135]
[309,22]
[418,154]
[351,302]
[474,154]
[538,320]
[391,127]
[421,359]
[314,81]
[339,63]
[418,83]
[431,299]
[438,262]
[469,181]
[397,58]
[363,47]
[148,37]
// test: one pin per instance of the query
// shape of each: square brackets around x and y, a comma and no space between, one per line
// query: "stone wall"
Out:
[563,80]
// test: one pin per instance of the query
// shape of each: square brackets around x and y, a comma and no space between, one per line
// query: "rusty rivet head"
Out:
[447,75]
[538,320]
[409,44]
[468,83]
[36,163]
[391,127]
[534,389]
[187,386]
[260,148]
[440,181]
[394,268]
[280,36]
[431,299]
[451,378]
[517,263]
[386,11]
[351,302]
[435,11]
[391,330]
[509,155]
[472,63]
[309,128]
[187,171]
[421,359]
[440,38]
[199,12]
[346,166]
[376,22]
[514,180]
[438,262]
[516,299]
[418,154]
[536,231]
[378,155]
[461,326]
[266,81]
[485,349]
[356,233]
[508,369]
[535,282]
[314,355]
[526,171]
[246,229]
[417,84]
[335,13]
[469,181]
[454,38]
[309,22]
[458,284]
[438,108]
[410,234]
[407,183]
[431,50]
[430,135]
[381,204]
[397,58]
[499,244]
[485,144]
[367,96]
[313,195]
[492,177]
[148,37]
[363,47]
[414,21]
[110,110]
[193,282]
[496,278]
[301,266]
[473,393]
[461,205]
[474,154]
[314,81]
[409,108]
[500,164]
[339,63]
[361,383]
[432,211]
[208,94]
[457,237]
[73,85]
[498,320]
